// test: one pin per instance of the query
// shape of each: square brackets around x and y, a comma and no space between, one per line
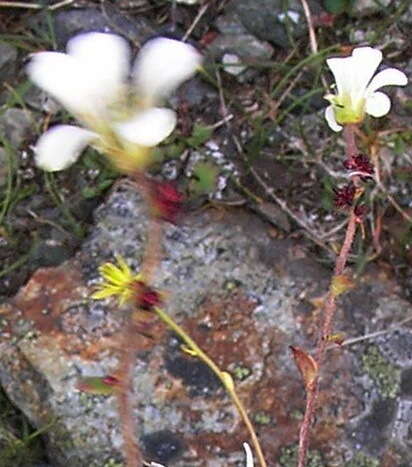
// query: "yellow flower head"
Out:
[118,281]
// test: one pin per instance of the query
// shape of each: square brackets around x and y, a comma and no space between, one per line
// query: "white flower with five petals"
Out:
[119,112]
[357,87]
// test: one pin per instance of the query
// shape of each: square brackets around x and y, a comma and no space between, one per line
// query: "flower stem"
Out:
[351,149]
[328,312]
[226,382]
[132,452]
[150,262]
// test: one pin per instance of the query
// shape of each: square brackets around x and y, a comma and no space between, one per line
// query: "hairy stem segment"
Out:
[328,312]
[225,378]
[132,452]
[151,259]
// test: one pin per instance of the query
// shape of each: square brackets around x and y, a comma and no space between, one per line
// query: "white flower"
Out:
[356,87]
[120,112]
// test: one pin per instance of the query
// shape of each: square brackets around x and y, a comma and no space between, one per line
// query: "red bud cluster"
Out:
[359,163]
[167,201]
[146,297]
[344,196]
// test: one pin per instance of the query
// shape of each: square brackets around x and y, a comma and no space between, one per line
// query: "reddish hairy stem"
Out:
[328,313]
[150,262]
[132,452]
[351,149]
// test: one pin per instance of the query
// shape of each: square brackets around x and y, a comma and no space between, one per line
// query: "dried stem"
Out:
[224,377]
[328,312]
[35,6]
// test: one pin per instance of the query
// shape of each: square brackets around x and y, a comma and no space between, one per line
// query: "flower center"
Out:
[347,110]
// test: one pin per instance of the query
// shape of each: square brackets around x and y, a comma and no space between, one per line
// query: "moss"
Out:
[241,372]
[385,375]
[289,457]
[362,460]
[113,463]
[261,418]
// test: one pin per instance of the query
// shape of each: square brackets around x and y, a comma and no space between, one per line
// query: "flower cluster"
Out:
[120,113]
[345,196]
[357,93]
[360,163]
[120,281]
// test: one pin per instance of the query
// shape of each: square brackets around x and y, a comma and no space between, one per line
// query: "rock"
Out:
[274,21]
[197,92]
[8,61]
[369,7]
[15,125]
[244,297]
[235,43]
[245,46]
[188,2]
[233,64]
[69,22]
[40,100]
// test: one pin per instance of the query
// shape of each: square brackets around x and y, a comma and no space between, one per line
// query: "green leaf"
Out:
[204,178]
[336,7]
[200,135]
[93,191]
[98,385]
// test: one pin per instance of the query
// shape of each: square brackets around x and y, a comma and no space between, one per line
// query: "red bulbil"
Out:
[110,380]
[360,212]
[344,196]
[167,201]
[147,298]
[360,163]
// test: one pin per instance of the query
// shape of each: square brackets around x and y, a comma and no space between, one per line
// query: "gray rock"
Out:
[275,21]
[245,46]
[15,125]
[8,59]
[69,22]
[40,100]
[245,297]
[369,7]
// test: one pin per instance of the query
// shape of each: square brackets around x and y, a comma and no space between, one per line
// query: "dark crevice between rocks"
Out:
[195,375]
[19,444]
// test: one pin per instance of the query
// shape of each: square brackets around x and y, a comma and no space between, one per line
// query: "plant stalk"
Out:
[328,312]
[227,383]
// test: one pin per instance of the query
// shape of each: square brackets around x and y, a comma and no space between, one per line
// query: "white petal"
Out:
[61,146]
[149,127]
[61,76]
[330,118]
[162,65]
[249,455]
[353,74]
[341,69]
[388,77]
[105,59]
[365,62]
[378,104]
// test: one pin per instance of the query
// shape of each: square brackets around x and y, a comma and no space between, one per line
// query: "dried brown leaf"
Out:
[307,367]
